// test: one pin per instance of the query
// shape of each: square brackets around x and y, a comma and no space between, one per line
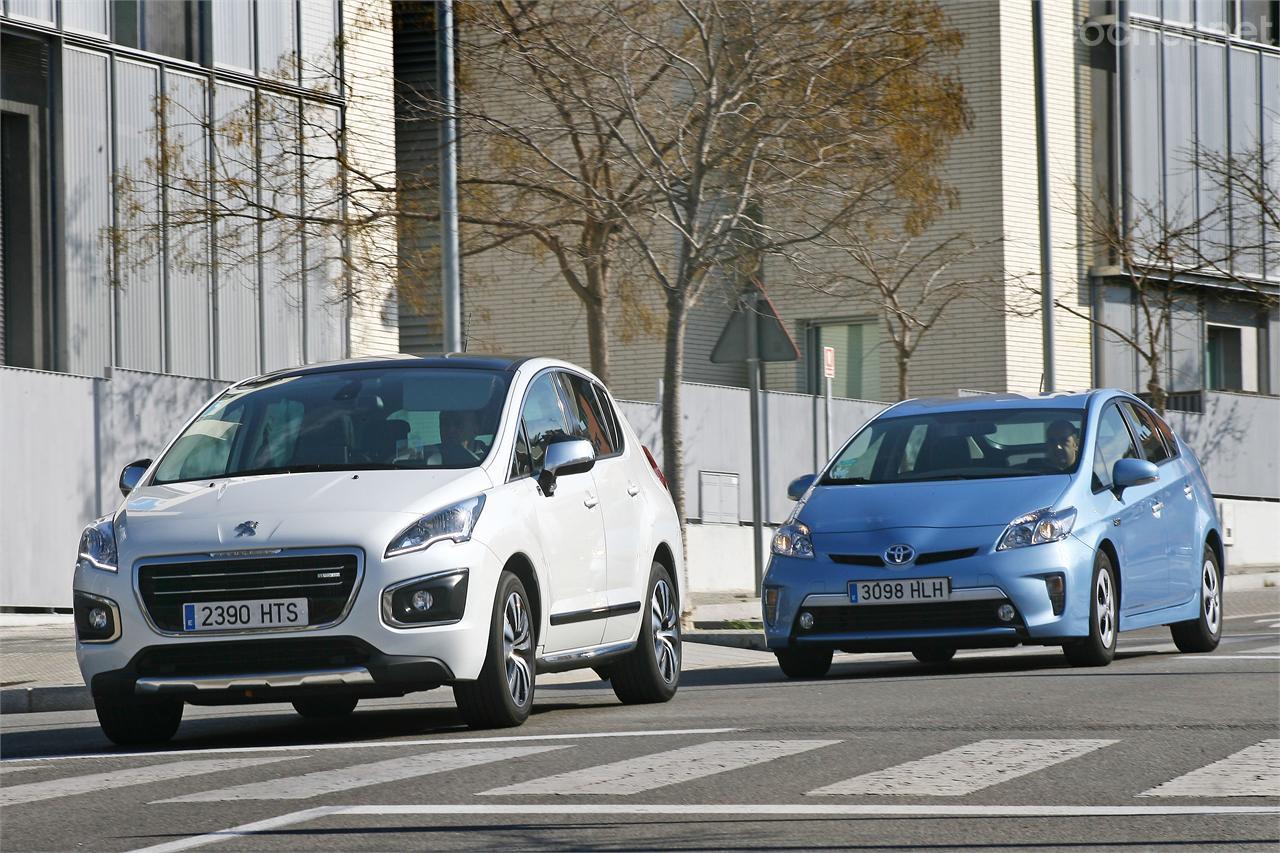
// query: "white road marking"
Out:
[1232,656]
[664,768]
[97,782]
[342,779]
[381,744]
[965,769]
[761,810]
[1251,772]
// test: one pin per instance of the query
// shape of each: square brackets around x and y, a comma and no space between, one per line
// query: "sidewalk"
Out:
[38,670]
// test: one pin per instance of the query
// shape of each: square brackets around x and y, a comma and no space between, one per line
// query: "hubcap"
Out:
[516,643]
[1211,597]
[1105,600]
[665,623]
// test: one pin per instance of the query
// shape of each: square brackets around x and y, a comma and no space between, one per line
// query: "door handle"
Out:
[633,489]
[1156,507]
[1188,492]
[590,501]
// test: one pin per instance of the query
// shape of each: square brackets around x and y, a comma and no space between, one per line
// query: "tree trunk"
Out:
[598,336]
[1155,387]
[672,431]
[904,362]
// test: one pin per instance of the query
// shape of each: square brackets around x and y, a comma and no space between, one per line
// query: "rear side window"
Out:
[586,419]
[1114,443]
[1148,434]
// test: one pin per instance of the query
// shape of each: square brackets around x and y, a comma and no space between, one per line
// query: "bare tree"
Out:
[689,141]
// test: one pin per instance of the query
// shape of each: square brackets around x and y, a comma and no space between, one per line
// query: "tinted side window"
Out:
[1114,443]
[585,418]
[543,418]
[611,417]
[1148,435]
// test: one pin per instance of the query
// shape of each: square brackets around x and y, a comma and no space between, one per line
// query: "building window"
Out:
[1249,20]
[167,27]
[857,349]
[1231,358]
[26,302]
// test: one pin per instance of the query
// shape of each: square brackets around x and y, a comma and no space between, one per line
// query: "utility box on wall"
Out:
[718,497]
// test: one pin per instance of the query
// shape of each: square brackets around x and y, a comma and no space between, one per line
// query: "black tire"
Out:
[503,694]
[651,673]
[934,654]
[127,721]
[1203,633]
[321,707]
[1099,648]
[804,663]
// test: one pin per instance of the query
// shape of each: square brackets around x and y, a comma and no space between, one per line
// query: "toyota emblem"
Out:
[899,555]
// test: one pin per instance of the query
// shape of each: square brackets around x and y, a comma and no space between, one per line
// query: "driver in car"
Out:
[458,444]
[1062,445]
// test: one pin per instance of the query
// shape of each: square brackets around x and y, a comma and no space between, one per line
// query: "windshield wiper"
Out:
[316,466]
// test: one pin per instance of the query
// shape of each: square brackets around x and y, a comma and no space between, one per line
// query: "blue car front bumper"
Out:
[979,583]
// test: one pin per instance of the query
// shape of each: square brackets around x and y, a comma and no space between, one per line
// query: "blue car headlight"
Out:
[1037,528]
[98,546]
[792,540]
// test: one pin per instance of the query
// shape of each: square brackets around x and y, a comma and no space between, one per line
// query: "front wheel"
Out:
[503,694]
[651,673]
[804,663]
[127,721]
[1203,633]
[1099,648]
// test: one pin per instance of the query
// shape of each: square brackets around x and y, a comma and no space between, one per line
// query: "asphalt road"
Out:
[1009,750]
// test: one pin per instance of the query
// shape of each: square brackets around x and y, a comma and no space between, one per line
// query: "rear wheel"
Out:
[651,673]
[503,694]
[804,663]
[129,722]
[934,654]
[1202,633]
[320,707]
[1099,648]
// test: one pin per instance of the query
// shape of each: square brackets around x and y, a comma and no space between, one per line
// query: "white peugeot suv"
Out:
[376,527]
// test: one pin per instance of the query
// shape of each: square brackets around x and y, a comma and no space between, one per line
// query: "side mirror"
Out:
[565,457]
[1133,472]
[131,474]
[800,485]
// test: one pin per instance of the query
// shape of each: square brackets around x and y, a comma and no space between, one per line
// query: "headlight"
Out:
[98,546]
[1037,528]
[792,540]
[453,522]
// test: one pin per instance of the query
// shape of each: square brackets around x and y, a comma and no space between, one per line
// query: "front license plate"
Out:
[261,613]
[900,591]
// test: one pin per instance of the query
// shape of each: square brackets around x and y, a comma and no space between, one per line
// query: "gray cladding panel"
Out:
[189,274]
[233,33]
[323,268]
[88,16]
[40,10]
[281,240]
[87,198]
[138,213]
[277,39]
[1118,368]
[319,39]
[236,281]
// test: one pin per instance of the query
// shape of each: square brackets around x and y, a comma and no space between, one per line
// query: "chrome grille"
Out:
[327,581]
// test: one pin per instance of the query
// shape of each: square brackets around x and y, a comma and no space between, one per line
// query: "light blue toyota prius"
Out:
[976,522]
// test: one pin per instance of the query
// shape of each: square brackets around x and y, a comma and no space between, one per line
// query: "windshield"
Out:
[967,445]
[350,420]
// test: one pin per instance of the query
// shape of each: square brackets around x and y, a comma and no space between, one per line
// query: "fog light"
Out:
[1005,612]
[806,620]
[422,601]
[96,618]
[770,604]
[99,619]
[430,600]
[1056,585]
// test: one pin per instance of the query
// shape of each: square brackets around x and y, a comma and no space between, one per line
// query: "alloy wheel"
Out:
[516,643]
[1211,597]
[1104,594]
[665,624]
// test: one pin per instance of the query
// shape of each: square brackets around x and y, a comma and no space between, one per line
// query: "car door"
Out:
[1177,499]
[1131,521]
[591,416]
[570,526]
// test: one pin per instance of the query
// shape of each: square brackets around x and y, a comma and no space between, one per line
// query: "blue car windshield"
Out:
[343,420]
[967,445]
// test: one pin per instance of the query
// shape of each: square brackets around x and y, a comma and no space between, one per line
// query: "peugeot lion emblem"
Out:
[899,555]
[246,528]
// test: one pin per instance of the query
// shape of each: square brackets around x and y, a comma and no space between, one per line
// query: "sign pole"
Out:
[757,486]
[829,373]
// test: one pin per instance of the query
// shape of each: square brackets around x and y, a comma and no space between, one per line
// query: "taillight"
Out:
[657,472]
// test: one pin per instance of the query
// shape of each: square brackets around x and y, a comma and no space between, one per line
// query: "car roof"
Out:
[986,402]
[454,360]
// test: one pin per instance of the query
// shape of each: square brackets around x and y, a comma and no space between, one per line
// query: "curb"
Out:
[1252,580]
[30,700]
[737,639]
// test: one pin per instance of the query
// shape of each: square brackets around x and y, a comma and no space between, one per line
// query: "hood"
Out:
[288,510]
[945,503]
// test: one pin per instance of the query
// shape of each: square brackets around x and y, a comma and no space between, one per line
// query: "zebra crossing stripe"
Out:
[965,769]
[664,768]
[1251,772]
[342,779]
[97,782]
